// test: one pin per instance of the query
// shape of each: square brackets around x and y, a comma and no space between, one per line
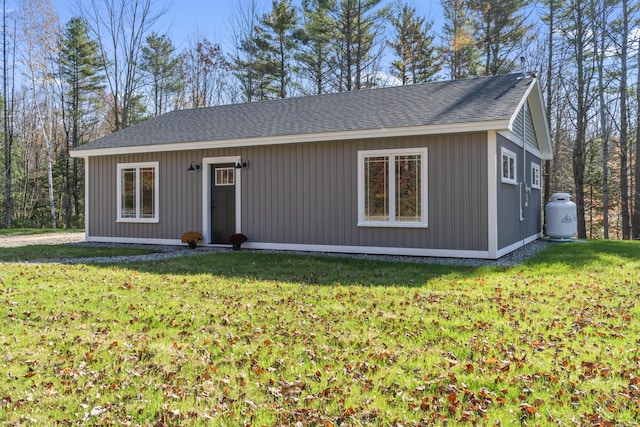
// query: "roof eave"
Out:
[482,126]
[539,117]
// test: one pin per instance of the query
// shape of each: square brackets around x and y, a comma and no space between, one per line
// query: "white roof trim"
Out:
[293,139]
[538,117]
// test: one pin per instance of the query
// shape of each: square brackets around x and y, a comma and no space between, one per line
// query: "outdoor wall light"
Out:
[241,165]
[193,167]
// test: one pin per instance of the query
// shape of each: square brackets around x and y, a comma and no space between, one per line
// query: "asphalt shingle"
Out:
[434,103]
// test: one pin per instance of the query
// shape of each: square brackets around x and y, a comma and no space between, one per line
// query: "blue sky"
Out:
[194,19]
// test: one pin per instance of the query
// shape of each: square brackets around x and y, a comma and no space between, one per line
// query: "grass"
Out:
[32,231]
[245,338]
[58,252]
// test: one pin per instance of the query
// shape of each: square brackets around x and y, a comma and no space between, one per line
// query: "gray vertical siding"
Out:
[307,194]
[533,217]
[179,211]
[510,229]
[524,128]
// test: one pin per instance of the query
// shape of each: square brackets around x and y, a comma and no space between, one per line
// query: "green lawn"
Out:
[70,251]
[32,231]
[249,338]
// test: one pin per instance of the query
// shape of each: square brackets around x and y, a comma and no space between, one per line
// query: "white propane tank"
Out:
[561,217]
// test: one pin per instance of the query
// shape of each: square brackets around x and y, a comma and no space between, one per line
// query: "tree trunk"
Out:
[624,146]
[635,222]
[547,163]
[8,134]
[581,118]
[599,52]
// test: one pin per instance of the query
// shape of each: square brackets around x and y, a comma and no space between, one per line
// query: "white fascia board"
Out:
[540,123]
[294,139]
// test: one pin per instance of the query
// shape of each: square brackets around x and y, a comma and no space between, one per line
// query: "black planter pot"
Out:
[192,245]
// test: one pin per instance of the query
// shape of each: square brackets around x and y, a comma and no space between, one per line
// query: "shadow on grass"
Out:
[305,269]
[345,270]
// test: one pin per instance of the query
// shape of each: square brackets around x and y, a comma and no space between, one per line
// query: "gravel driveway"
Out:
[40,239]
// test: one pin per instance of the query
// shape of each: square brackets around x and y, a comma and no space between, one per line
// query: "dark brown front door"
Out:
[223,203]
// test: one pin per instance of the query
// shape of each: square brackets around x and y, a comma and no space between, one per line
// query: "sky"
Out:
[189,20]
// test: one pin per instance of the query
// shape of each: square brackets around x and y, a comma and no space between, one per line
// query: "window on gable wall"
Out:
[535,175]
[509,167]
[392,188]
[137,189]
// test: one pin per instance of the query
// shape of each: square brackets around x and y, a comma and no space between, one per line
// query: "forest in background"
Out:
[109,67]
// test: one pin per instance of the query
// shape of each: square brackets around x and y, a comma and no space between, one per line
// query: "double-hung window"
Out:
[137,197]
[535,175]
[392,188]
[509,167]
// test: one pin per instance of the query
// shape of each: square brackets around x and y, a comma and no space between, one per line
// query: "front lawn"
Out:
[250,338]
[34,231]
[66,251]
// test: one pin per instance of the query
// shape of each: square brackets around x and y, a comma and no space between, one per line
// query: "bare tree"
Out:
[600,48]
[579,34]
[624,143]
[8,54]
[120,28]
[244,61]
[40,36]
[635,221]
[204,71]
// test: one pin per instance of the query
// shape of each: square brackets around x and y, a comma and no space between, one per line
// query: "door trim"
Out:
[206,193]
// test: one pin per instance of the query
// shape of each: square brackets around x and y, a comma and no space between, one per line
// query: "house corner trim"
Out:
[492,194]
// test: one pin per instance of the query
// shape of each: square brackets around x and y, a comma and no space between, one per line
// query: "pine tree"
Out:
[79,69]
[358,26]
[316,57]
[417,55]
[276,42]
[162,68]
[460,52]
[502,33]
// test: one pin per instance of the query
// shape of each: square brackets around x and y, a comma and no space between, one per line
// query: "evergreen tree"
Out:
[162,68]
[316,57]
[358,25]
[417,55]
[460,52]
[502,33]
[79,70]
[276,43]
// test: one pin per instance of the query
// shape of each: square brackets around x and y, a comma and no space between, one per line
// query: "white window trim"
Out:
[138,166]
[536,167]
[423,196]
[512,156]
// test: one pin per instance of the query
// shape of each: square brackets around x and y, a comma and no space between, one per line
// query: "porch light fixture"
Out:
[193,167]
[241,165]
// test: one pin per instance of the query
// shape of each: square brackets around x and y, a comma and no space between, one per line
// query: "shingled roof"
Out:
[484,99]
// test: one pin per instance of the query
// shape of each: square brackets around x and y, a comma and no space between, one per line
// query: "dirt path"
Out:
[40,239]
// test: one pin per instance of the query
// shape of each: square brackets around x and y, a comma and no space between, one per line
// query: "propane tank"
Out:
[561,218]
